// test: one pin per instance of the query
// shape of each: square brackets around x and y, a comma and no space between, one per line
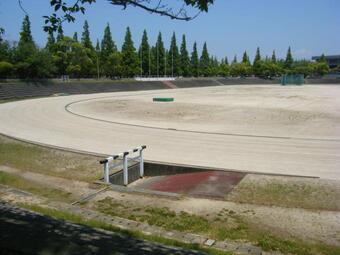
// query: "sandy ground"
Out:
[306,112]
[307,126]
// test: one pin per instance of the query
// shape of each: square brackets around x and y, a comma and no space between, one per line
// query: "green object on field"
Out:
[163,99]
[292,79]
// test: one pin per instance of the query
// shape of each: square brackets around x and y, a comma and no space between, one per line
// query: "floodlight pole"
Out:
[172,61]
[97,67]
[157,61]
[149,62]
[165,64]
[141,61]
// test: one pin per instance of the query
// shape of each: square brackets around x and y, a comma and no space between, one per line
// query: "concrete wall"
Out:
[10,90]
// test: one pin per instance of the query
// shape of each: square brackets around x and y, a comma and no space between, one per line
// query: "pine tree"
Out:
[184,58]
[85,38]
[235,60]
[26,47]
[257,56]
[274,57]
[245,58]
[108,48]
[289,59]
[26,34]
[97,47]
[60,34]
[225,61]
[75,37]
[107,45]
[194,61]
[160,55]
[50,42]
[205,61]
[257,63]
[130,62]
[173,57]
[144,53]
[322,59]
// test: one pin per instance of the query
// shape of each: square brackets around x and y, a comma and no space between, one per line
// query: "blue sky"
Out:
[310,27]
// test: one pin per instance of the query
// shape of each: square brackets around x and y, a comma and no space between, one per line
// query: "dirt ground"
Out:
[262,128]
[306,111]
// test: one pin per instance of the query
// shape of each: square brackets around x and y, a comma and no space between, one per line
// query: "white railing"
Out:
[155,78]
[123,160]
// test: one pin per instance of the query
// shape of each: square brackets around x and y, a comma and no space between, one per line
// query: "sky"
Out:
[310,27]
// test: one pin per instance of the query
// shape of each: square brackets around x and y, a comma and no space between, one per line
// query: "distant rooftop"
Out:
[327,57]
[332,60]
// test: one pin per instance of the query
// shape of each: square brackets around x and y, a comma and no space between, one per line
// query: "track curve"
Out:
[46,121]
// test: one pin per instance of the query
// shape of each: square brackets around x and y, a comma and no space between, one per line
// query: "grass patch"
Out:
[34,187]
[102,225]
[48,161]
[228,226]
[288,192]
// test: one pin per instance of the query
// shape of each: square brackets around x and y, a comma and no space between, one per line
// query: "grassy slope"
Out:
[99,224]
[288,192]
[34,187]
[24,156]
[227,225]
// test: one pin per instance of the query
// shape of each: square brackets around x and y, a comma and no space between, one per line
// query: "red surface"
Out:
[208,183]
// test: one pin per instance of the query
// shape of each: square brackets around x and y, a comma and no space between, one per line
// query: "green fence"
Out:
[292,79]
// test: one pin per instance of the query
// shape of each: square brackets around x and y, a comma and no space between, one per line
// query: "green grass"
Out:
[294,193]
[102,225]
[34,187]
[48,161]
[227,225]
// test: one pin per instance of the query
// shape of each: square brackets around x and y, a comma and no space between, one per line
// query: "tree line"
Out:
[79,58]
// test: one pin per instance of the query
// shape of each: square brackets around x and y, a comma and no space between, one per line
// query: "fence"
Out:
[292,79]
[123,160]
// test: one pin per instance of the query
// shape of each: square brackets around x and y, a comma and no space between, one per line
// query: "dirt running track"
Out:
[314,150]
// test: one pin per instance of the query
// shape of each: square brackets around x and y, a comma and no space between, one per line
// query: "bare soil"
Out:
[307,111]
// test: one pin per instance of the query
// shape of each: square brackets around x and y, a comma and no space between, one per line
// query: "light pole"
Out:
[97,66]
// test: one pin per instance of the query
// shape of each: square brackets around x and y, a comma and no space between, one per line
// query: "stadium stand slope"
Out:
[22,90]
[11,90]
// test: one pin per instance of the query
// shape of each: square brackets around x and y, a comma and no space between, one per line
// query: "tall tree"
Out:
[85,38]
[97,47]
[245,58]
[144,54]
[173,57]
[50,42]
[194,61]
[26,47]
[130,62]
[26,34]
[289,59]
[160,55]
[75,37]
[234,60]
[108,48]
[225,61]
[60,34]
[205,61]
[274,57]
[107,45]
[322,59]
[184,58]
[257,63]
[257,56]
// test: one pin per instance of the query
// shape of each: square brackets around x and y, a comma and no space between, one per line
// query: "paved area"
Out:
[25,232]
[310,147]
[209,184]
